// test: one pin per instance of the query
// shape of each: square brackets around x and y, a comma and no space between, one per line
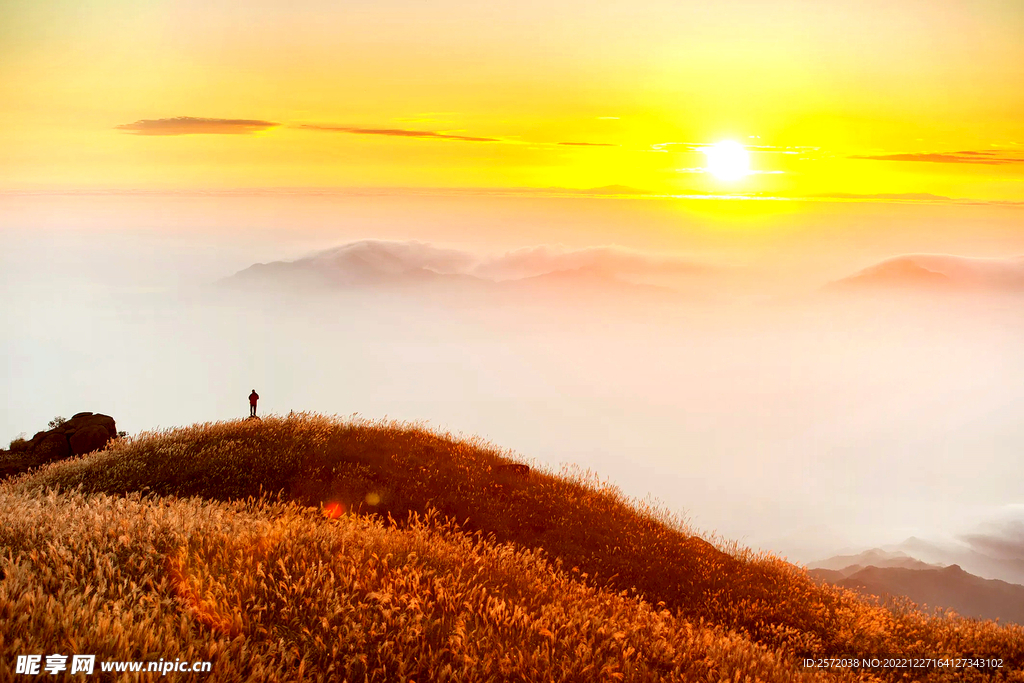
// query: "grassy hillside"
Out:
[545,578]
[272,592]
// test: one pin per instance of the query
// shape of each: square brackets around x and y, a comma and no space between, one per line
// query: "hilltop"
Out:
[314,548]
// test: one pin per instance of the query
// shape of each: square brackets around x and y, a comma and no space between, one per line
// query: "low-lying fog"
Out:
[788,418]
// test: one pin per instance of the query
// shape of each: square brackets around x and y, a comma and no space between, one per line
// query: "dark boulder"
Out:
[89,438]
[88,432]
[53,446]
[83,433]
[81,420]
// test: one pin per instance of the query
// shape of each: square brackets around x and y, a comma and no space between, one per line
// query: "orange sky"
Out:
[862,98]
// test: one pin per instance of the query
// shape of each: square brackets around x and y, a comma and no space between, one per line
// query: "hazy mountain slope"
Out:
[874,557]
[353,273]
[948,587]
[418,268]
[583,282]
[1007,566]
[901,273]
[940,273]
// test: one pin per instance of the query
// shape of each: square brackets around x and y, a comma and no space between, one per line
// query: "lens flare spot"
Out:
[372,498]
[333,510]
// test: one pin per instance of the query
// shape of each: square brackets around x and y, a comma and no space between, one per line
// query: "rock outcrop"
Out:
[83,433]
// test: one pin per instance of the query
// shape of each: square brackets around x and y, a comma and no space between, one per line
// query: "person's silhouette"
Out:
[253,397]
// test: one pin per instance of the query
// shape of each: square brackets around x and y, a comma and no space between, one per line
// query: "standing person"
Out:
[253,397]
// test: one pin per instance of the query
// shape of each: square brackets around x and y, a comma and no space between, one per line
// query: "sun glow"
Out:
[727,160]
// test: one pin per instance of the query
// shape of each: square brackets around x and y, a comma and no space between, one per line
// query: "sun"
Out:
[727,160]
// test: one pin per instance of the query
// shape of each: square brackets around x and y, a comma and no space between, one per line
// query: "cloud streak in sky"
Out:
[882,196]
[702,146]
[396,132]
[987,157]
[192,125]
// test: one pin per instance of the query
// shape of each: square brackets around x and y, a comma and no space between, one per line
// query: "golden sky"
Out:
[872,97]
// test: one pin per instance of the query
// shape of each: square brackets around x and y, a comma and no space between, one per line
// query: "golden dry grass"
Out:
[109,554]
[275,592]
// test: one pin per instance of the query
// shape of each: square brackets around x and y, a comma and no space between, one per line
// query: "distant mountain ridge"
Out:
[416,267]
[938,273]
[883,573]
[876,557]
[947,587]
[1006,564]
